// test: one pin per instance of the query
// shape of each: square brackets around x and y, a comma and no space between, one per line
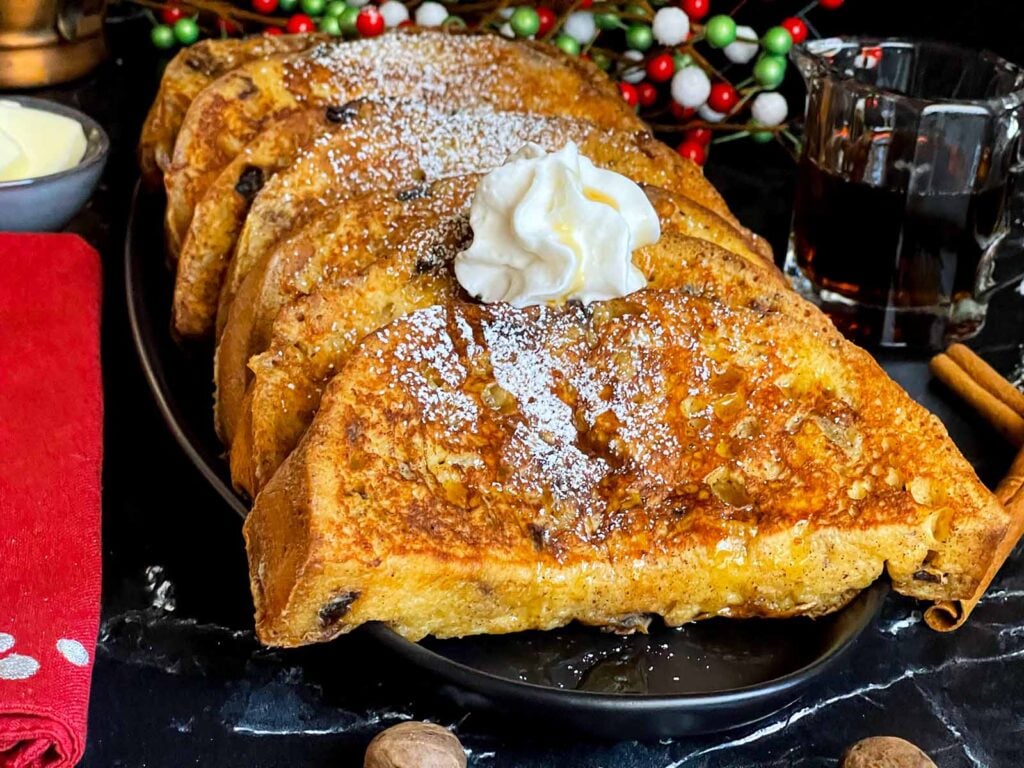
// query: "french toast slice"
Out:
[388,138]
[445,68]
[302,166]
[352,234]
[219,215]
[313,333]
[191,70]
[478,468]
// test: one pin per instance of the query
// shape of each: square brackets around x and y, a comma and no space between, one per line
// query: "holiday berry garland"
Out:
[664,57]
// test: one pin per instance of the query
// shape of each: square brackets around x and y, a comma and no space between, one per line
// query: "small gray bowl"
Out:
[47,203]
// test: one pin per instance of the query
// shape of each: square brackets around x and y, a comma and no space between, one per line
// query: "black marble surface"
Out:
[179,679]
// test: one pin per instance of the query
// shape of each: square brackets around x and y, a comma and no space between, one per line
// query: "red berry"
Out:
[272,31]
[172,14]
[691,150]
[723,98]
[646,94]
[228,27]
[796,27]
[700,136]
[369,22]
[300,23]
[547,20]
[407,23]
[264,6]
[629,93]
[585,4]
[679,112]
[661,67]
[830,5]
[696,9]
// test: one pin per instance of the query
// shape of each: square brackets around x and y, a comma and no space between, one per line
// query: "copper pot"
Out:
[49,41]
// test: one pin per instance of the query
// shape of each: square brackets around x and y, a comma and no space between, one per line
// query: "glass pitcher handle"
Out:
[1002,263]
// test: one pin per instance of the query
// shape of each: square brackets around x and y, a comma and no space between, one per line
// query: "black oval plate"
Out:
[704,677]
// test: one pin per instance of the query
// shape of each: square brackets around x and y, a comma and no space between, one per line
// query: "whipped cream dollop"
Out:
[552,227]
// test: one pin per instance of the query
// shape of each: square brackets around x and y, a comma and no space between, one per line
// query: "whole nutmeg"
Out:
[415,745]
[885,752]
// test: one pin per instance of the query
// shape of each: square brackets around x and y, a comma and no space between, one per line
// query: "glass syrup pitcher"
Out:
[907,191]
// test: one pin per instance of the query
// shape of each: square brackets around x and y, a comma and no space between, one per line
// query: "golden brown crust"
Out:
[447,69]
[663,453]
[413,141]
[191,70]
[219,216]
[284,393]
[399,144]
[307,163]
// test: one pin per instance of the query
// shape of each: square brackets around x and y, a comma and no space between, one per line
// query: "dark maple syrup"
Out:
[890,252]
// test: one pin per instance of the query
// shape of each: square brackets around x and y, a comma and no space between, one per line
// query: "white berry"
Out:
[671,26]
[744,47]
[357,3]
[581,27]
[394,12]
[632,73]
[769,108]
[431,14]
[690,86]
[505,30]
[707,114]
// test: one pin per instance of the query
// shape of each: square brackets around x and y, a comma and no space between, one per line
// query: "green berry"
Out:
[601,60]
[313,7]
[330,25]
[287,6]
[720,31]
[777,40]
[607,21]
[525,21]
[567,45]
[162,36]
[335,8]
[681,60]
[762,137]
[347,20]
[454,22]
[769,71]
[639,37]
[186,31]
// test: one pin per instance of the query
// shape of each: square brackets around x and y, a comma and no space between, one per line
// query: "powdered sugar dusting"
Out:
[393,144]
[437,374]
[436,67]
[637,401]
[543,444]
[541,375]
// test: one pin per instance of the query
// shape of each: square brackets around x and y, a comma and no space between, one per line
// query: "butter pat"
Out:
[10,156]
[552,227]
[34,142]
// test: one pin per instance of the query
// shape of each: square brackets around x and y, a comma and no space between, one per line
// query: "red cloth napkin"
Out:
[51,424]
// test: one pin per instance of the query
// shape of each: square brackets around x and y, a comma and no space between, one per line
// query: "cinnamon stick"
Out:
[1002,405]
[987,376]
[947,615]
[976,385]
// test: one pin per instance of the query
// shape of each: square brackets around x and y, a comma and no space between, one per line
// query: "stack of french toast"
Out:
[707,445]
